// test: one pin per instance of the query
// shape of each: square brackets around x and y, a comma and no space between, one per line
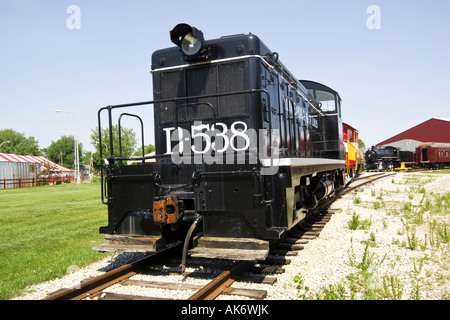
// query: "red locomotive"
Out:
[433,155]
[354,161]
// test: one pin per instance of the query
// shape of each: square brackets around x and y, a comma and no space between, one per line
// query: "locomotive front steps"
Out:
[248,249]
[129,243]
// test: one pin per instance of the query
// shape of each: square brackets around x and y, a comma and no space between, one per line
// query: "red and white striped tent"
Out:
[45,163]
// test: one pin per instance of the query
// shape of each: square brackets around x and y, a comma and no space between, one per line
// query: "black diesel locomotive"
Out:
[243,151]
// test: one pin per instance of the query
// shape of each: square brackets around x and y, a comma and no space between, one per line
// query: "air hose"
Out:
[186,244]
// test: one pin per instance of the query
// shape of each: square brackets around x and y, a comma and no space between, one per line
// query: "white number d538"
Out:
[204,132]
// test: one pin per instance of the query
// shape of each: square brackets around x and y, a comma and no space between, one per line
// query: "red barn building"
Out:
[432,130]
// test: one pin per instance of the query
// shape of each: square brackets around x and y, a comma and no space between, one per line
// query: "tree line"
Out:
[62,151]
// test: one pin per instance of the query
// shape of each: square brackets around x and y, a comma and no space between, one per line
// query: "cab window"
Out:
[327,100]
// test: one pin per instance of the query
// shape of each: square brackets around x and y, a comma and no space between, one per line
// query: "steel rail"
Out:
[221,282]
[370,179]
[92,286]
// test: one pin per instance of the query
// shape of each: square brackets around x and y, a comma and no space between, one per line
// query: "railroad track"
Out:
[92,287]
[257,272]
[362,181]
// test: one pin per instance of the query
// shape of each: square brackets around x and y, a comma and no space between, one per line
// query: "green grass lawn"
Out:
[445,171]
[44,230]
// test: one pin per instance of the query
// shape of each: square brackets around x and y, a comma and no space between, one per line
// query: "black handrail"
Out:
[142,133]
[109,108]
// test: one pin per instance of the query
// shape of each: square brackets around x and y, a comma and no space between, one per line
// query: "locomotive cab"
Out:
[328,144]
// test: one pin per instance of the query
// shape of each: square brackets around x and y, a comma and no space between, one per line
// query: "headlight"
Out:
[191,45]
[188,38]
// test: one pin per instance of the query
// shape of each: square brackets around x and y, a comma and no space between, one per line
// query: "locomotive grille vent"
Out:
[205,80]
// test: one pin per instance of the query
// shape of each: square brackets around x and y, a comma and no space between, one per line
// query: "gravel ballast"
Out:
[422,272]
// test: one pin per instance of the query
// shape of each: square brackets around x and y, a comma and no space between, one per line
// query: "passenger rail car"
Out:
[243,151]
[433,155]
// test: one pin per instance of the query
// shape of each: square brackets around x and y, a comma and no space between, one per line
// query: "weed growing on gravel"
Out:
[366,223]
[411,236]
[437,233]
[407,207]
[302,290]
[437,203]
[385,223]
[330,292]
[380,196]
[413,241]
[368,282]
[373,286]
[372,239]
[443,233]
[356,222]
[417,281]
[392,288]
[368,260]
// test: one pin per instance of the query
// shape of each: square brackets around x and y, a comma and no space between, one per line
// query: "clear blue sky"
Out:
[390,79]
